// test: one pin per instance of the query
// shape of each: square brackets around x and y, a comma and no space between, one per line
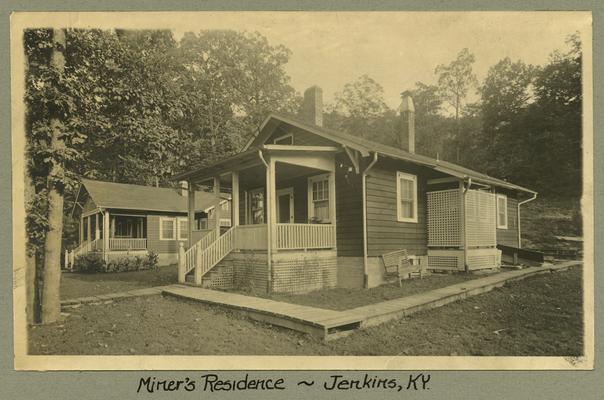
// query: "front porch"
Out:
[283,234]
[111,235]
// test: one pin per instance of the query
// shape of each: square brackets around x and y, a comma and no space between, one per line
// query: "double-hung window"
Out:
[318,187]
[167,228]
[406,197]
[502,211]
[183,228]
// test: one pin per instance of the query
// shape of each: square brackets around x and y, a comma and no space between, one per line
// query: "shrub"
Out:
[89,263]
[93,262]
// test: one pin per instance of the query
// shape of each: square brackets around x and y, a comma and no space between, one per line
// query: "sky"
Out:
[396,49]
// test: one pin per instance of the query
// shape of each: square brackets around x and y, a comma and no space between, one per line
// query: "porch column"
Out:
[191,215]
[332,203]
[88,229]
[106,246]
[235,198]
[271,216]
[217,205]
[81,229]
[97,231]
[462,225]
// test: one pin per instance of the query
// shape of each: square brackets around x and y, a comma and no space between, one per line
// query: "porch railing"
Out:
[305,236]
[203,259]
[127,243]
[83,249]
[251,237]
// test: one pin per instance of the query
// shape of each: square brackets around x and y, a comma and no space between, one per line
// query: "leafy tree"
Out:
[360,110]
[456,79]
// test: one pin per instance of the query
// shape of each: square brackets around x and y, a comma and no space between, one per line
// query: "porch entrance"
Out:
[285,206]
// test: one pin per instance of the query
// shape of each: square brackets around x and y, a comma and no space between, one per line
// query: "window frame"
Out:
[174,228]
[505,198]
[179,230]
[279,138]
[311,202]
[249,216]
[399,209]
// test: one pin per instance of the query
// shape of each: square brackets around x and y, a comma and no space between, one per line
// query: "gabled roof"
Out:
[365,147]
[145,198]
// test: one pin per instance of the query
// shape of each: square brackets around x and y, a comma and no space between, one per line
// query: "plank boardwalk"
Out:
[329,324]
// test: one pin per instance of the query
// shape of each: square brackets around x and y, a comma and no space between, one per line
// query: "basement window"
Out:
[502,211]
[406,197]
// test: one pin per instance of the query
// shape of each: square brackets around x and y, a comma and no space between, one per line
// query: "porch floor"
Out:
[330,324]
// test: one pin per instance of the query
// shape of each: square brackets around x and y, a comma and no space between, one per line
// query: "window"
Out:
[502,211]
[285,139]
[183,228]
[167,228]
[256,204]
[406,197]
[318,209]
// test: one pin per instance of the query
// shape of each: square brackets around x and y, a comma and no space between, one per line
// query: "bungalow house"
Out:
[136,219]
[315,208]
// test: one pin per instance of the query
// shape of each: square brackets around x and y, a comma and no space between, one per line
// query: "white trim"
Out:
[287,135]
[161,230]
[311,205]
[178,230]
[403,175]
[281,192]
[505,198]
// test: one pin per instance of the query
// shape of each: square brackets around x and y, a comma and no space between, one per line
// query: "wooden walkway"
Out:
[330,324]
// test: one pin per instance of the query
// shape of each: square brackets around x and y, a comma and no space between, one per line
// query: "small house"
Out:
[315,208]
[118,220]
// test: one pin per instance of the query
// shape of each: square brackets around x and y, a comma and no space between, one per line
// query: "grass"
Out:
[538,316]
[75,285]
[343,299]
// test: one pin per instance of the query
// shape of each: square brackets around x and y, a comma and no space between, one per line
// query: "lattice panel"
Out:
[480,219]
[444,218]
[444,262]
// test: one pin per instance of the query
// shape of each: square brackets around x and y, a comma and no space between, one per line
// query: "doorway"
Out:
[285,206]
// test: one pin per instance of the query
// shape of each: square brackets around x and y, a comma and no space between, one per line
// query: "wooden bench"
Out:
[398,265]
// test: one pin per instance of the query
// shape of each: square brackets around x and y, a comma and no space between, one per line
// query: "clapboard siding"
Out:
[153,241]
[509,237]
[384,232]
[349,209]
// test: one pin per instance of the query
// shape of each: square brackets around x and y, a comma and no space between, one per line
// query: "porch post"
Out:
[217,205]
[271,216]
[191,215]
[106,246]
[332,204]
[81,229]
[88,229]
[235,198]
[97,231]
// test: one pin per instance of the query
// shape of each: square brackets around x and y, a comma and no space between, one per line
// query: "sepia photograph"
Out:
[318,189]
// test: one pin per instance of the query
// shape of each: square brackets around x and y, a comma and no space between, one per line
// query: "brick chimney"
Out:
[183,188]
[407,123]
[312,106]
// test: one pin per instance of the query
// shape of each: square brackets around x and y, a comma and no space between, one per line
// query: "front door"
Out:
[285,206]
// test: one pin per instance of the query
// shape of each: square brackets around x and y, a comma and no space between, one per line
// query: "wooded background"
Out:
[138,106]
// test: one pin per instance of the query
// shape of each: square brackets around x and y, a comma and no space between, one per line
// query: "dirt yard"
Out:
[541,315]
[75,285]
[343,299]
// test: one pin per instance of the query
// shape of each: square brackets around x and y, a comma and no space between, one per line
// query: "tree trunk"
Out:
[51,304]
[30,262]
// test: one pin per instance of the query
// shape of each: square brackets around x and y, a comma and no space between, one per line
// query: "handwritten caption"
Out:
[216,383]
